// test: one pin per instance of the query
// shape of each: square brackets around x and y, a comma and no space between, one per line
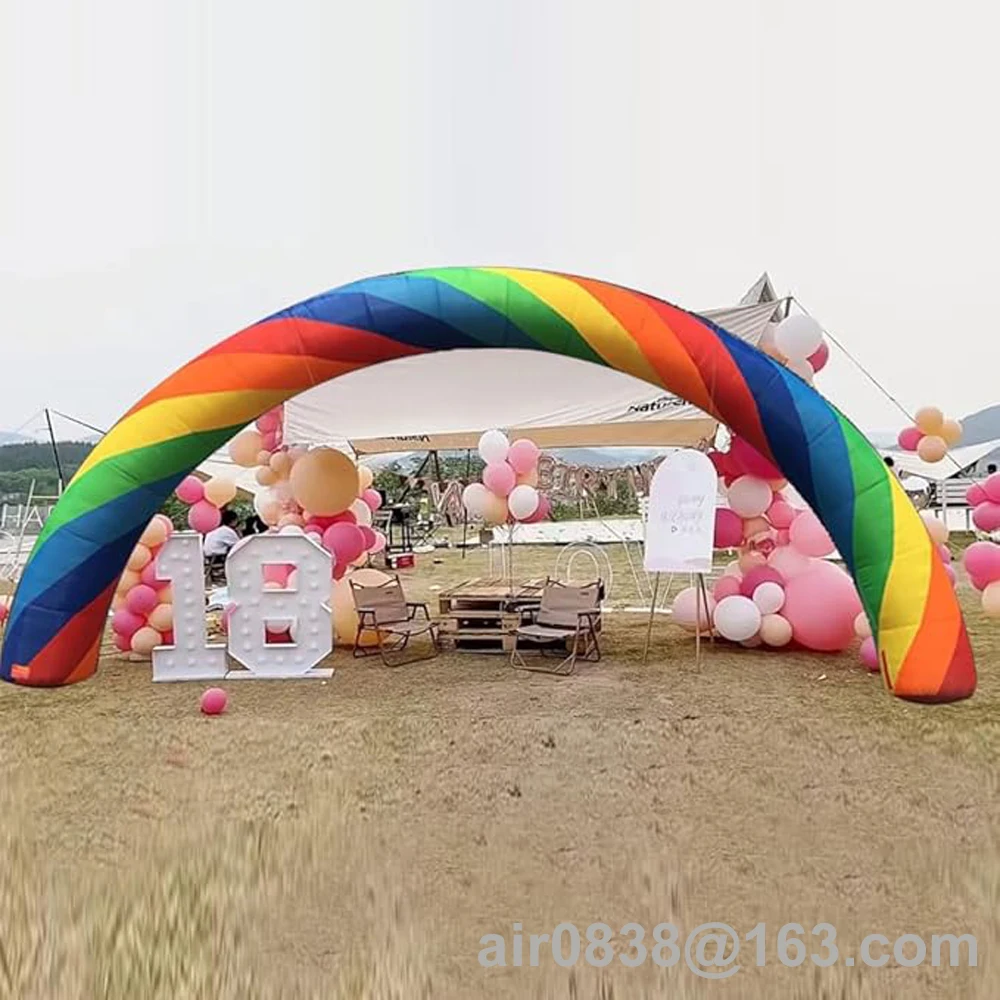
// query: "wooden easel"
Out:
[701,602]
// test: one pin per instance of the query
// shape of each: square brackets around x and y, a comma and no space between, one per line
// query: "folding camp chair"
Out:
[567,615]
[385,611]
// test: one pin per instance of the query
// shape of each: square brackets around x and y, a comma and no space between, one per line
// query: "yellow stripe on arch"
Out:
[595,324]
[908,582]
[177,416]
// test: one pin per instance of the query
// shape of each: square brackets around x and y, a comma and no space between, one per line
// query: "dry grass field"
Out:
[357,838]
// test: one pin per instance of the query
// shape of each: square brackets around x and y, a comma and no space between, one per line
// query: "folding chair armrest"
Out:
[415,606]
[364,613]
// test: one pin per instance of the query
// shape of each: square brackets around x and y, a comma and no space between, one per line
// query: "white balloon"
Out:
[798,337]
[750,496]
[737,618]
[803,369]
[291,529]
[493,447]
[475,497]
[523,501]
[769,597]
[362,512]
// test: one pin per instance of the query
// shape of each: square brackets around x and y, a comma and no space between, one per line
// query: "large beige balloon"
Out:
[245,447]
[951,431]
[929,419]
[324,481]
[220,491]
[345,617]
[495,509]
[365,477]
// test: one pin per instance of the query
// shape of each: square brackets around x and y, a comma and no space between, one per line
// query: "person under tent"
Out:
[218,542]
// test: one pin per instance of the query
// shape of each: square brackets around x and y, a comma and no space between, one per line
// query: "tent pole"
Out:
[465,510]
[649,625]
[55,451]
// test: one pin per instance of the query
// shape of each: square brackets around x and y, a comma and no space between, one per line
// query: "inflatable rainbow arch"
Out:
[60,610]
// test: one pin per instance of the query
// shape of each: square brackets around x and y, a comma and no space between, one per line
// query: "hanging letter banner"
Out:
[680,530]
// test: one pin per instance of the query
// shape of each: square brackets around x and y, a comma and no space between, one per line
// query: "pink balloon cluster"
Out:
[982,563]
[206,500]
[143,606]
[930,435]
[984,499]
[508,492]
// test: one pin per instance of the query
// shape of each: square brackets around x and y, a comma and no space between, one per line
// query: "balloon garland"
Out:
[931,435]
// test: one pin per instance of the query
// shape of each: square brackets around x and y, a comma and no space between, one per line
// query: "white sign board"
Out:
[680,528]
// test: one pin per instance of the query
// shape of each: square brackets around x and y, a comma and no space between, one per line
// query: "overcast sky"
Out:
[172,170]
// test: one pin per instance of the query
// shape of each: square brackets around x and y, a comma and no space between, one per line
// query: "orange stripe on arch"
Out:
[923,671]
[655,339]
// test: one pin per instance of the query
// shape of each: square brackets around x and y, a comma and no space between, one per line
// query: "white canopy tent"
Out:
[955,464]
[445,401]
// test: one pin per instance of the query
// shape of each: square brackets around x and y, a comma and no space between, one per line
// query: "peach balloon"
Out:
[991,600]
[930,420]
[145,640]
[755,526]
[265,476]
[365,477]
[127,581]
[775,631]
[689,610]
[495,509]
[789,562]
[155,534]
[281,464]
[263,457]
[750,560]
[862,628]
[936,527]
[951,432]
[139,558]
[162,617]
[219,491]
[324,481]
[344,613]
[932,449]
[528,478]
[245,447]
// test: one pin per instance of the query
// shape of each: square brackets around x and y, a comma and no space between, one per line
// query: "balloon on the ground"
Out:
[213,701]
[145,640]
[750,496]
[822,605]
[862,627]
[324,481]
[775,631]
[343,611]
[737,618]
[493,447]
[869,654]
[798,337]
[688,610]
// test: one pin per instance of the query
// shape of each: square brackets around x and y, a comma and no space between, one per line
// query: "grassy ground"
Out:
[357,838]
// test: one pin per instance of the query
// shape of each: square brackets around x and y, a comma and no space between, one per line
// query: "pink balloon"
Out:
[789,562]
[781,514]
[277,573]
[982,563]
[227,614]
[523,456]
[274,638]
[3,612]
[945,553]
[141,600]
[345,541]
[148,575]
[726,586]
[499,478]
[992,487]
[542,511]
[204,517]
[268,423]
[809,536]
[728,529]
[869,654]
[126,623]
[758,575]
[975,495]
[817,360]
[191,490]
[747,461]
[784,538]
[372,498]
[986,517]
[950,573]
[822,605]
[369,536]
[909,438]
[123,643]
[213,701]
[380,542]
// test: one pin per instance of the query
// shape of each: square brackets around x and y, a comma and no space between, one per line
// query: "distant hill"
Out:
[982,426]
[7,438]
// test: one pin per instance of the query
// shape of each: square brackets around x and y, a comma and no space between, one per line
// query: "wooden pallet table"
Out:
[478,615]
